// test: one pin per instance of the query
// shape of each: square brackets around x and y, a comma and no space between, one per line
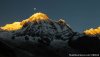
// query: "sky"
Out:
[79,14]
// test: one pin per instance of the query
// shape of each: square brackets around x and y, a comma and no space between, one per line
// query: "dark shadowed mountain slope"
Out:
[44,38]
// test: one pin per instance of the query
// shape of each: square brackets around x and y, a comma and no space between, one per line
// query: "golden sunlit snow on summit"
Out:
[92,32]
[18,25]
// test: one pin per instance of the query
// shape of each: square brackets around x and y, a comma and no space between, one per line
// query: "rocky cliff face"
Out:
[48,28]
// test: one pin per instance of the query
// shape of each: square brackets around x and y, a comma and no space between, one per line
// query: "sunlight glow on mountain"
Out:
[18,25]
